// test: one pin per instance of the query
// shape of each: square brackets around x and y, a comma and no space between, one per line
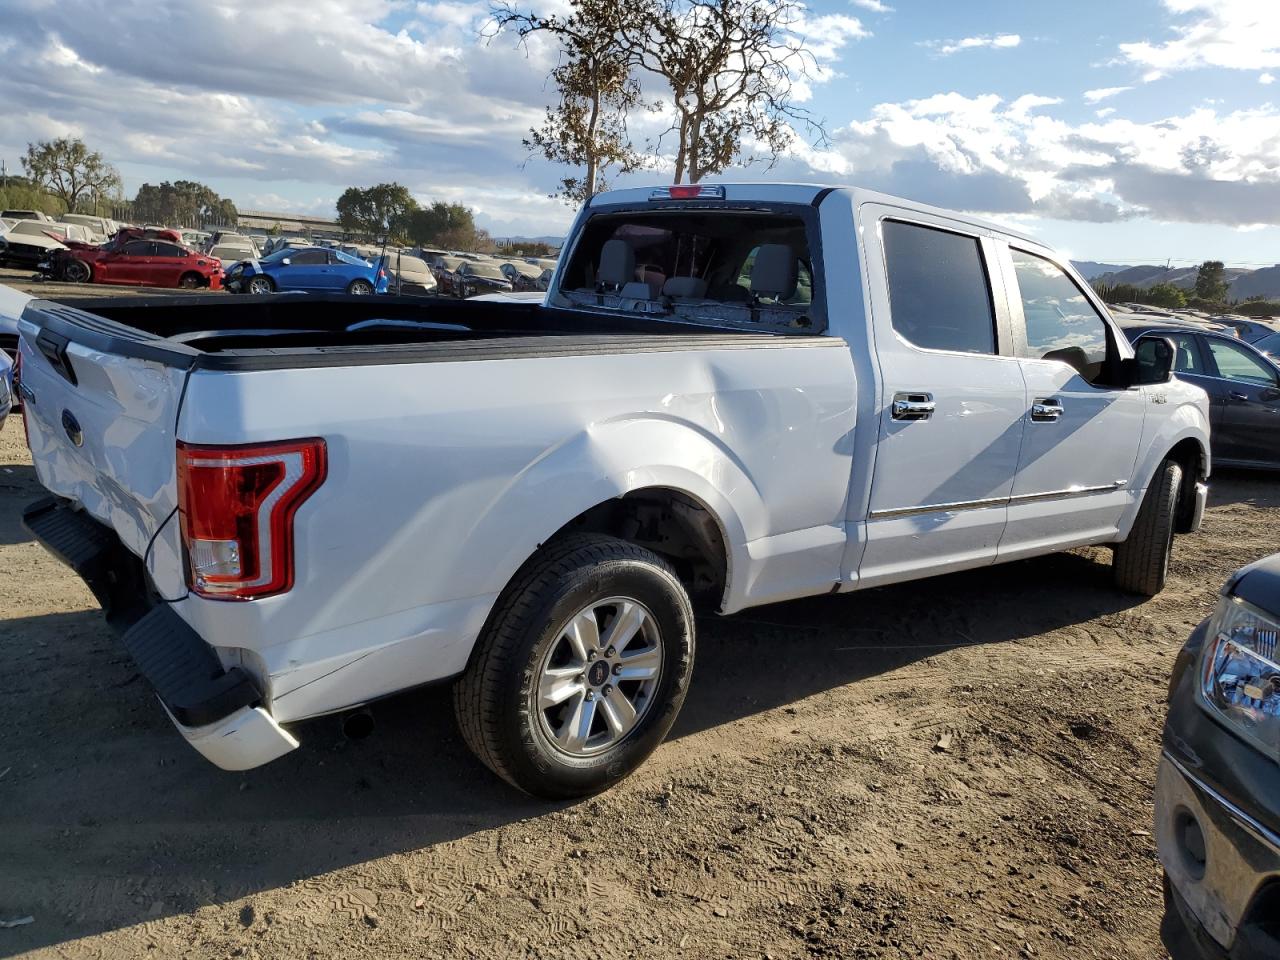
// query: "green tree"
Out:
[182,203]
[448,225]
[381,212]
[1164,295]
[1211,283]
[70,171]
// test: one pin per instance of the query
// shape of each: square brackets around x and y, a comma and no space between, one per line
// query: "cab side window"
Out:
[1237,364]
[1061,324]
[309,257]
[939,295]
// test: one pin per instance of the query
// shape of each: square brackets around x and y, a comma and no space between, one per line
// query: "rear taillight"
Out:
[237,505]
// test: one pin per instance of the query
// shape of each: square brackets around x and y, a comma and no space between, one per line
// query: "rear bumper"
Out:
[217,710]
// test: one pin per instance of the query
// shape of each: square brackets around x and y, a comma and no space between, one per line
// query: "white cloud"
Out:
[875,6]
[1104,112]
[988,154]
[1266,79]
[1103,93]
[1000,41]
[1235,34]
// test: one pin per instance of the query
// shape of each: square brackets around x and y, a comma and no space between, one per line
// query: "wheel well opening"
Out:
[672,524]
[1188,455]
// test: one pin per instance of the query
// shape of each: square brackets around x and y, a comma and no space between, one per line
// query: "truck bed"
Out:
[284,330]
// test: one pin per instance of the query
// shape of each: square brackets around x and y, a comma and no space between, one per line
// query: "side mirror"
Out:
[286,261]
[1153,361]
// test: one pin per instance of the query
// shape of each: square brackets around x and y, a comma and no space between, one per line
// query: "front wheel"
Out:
[581,669]
[360,288]
[1141,562]
[260,285]
[77,271]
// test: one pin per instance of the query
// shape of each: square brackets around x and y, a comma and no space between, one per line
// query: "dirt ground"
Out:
[956,769]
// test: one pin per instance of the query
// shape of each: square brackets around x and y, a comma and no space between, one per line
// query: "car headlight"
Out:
[1240,673]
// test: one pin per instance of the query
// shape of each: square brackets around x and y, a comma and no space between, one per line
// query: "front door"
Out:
[1082,435]
[1246,424]
[951,403]
[307,270]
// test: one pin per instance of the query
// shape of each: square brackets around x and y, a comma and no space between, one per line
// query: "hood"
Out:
[33,240]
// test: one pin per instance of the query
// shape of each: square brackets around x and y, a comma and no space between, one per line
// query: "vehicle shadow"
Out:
[18,485]
[108,819]
[1258,488]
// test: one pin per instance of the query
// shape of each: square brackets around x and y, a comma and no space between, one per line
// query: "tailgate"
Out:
[102,433]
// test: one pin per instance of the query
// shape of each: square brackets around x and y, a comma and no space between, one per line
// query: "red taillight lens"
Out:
[237,505]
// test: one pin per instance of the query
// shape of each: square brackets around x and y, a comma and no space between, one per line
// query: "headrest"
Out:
[774,272]
[617,263]
[692,288]
[638,290]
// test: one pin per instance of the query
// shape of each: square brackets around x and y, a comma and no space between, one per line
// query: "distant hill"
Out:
[1242,283]
[1090,268]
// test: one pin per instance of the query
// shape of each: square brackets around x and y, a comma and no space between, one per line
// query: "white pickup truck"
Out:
[732,395]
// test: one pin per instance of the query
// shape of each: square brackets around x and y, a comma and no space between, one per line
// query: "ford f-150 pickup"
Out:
[732,395]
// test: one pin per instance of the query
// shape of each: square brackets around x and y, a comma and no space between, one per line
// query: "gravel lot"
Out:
[961,768]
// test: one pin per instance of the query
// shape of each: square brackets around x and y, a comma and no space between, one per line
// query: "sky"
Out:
[1124,132]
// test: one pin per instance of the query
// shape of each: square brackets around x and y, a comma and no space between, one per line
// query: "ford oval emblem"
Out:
[72,426]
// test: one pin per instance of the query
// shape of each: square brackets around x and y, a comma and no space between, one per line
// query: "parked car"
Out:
[444,267]
[75,263]
[409,275]
[12,303]
[471,278]
[27,243]
[99,227]
[326,501]
[6,387]
[26,215]
[143,263]
[1217,811]
[312,268]
[1243,384]
[522,276]
[229,240]
[1270,345]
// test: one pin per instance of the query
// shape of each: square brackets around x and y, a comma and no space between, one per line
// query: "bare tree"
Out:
[588,127]
[731,67]
[70,170]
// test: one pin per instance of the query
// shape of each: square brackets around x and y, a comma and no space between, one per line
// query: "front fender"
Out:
[1187,420]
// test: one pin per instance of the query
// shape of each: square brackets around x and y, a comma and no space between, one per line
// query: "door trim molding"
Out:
[1020,498]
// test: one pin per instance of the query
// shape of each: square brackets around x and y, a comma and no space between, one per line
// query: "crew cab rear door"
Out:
[102,433]
[952,396]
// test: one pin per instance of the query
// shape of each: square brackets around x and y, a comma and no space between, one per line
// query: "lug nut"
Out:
[607,690]
[617,669]
[590,695]
[591,654]
[582,677]
[610,652]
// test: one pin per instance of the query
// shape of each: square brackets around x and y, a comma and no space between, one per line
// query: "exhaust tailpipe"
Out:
[357,724]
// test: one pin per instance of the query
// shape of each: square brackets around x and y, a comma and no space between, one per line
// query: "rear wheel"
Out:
[581,669]
[1141,563]
[77,271]
[190,281]
[360,288]
[260,285]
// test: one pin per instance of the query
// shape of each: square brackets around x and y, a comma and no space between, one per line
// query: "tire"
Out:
[360,288]
[1141,563]
[259,285]
[77,271]
[190,281]
[527,648]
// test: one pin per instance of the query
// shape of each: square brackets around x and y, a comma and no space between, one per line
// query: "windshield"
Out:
[734,266]
[1268,344]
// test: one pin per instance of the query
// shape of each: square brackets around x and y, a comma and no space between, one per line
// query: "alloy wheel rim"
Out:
[599,677]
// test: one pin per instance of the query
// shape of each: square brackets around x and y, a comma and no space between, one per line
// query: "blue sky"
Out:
[1124,132]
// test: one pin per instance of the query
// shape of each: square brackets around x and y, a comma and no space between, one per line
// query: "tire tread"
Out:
[1142,559]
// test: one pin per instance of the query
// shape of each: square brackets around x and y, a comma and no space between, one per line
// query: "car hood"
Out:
[34,240]
[1259,584]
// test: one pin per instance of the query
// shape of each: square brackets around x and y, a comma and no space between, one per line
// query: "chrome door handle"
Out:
[913,406]
[1046,410]
[1238,395]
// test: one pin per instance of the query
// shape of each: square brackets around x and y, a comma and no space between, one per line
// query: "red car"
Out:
[139,262]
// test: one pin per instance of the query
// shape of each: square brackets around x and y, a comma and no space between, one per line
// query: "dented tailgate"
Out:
[101,429]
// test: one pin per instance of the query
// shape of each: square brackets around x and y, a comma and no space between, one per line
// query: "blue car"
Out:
[312,269]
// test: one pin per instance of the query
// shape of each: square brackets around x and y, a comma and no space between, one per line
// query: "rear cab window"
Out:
[753,267]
